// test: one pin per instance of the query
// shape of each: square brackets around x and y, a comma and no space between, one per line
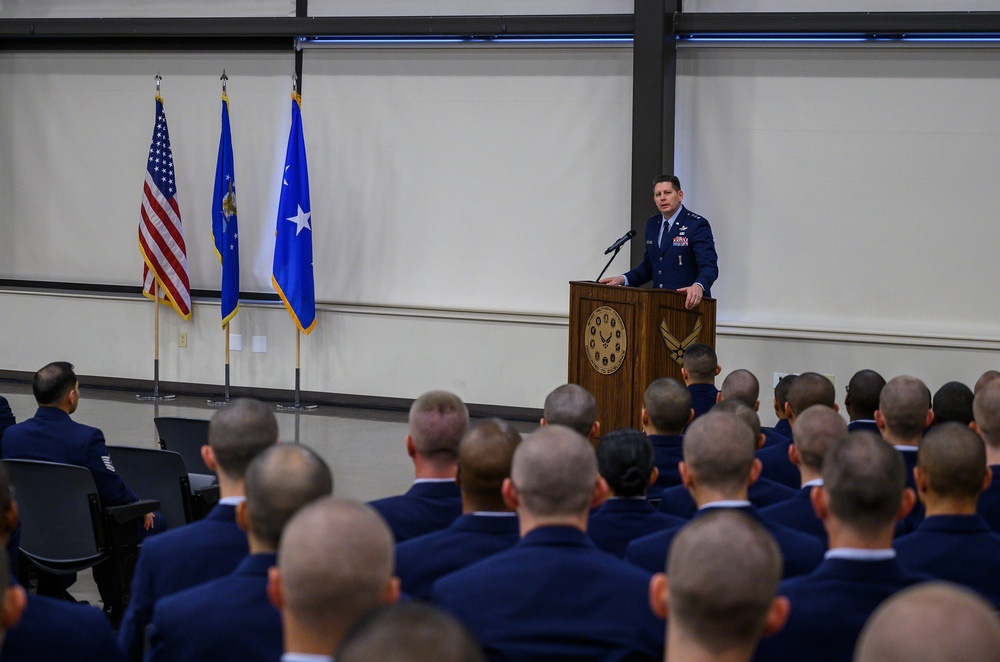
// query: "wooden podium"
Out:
[623,338]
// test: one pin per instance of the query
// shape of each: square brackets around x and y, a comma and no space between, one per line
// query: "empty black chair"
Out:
[64,528]
[159,475]
[185,436]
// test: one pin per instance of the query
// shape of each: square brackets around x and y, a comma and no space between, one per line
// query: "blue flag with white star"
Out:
[292,273]
[224,226]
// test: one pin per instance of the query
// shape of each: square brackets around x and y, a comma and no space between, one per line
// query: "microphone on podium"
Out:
[624,239]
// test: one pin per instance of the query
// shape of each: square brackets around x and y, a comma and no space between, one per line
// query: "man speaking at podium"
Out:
[680,248]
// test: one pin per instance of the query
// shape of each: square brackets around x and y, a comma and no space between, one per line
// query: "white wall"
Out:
[455,193]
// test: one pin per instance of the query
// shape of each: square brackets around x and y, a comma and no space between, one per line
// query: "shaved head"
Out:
[811,388]
[931,622]
[279,482]
[724,569]
[438,420]
[864,477]
[555,472]
[719,451]
[700,361]
[986,378]
[743,386]
[904,404]
[411,632]
[335,563]
[863,392]
[953,402]
[986,407]
[741,411]
[573,406]
[667,402]
[484,459]
[953,458]
[815,431]
[240,432]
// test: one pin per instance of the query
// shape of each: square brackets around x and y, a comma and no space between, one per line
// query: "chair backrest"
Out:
[185,436]
[60,512]
[160,475]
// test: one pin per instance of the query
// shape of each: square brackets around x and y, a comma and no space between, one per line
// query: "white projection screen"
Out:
[850,189]
[453,178]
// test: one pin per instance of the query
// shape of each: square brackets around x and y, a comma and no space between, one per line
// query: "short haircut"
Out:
[280,481]
[953,458]
[931,622]
[814,433]
[781,390]
[986,378]
[671,179]
[239,432]
[904,404]
[668,404]
[719,451]
[811,388]
[742,411]
[724,569]
[700,361]
[53,382]
[573,406]
[864,477]
[986,407]
[865,388]
[741,385]
[336,559]
[625,460]
[953,402]
[438,421]
[484,458]
[554,472]
[410,632]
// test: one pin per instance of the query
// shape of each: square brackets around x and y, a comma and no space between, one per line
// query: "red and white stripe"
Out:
[162,244]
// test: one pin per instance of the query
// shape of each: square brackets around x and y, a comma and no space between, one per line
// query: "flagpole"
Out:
[225,399]
[155,396]
[227,207]
[297,405]
[295,156]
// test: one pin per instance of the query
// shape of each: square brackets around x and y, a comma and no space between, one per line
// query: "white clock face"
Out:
[605,340]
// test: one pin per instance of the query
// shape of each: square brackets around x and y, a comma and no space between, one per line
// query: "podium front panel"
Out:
[656,329]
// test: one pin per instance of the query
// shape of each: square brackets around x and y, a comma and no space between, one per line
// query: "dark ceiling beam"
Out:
[827,22]
[593,24]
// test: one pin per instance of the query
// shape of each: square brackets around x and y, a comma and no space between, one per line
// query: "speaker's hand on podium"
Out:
[694,295]
[614,280]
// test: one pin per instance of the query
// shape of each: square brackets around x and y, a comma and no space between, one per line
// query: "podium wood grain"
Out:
[647,356]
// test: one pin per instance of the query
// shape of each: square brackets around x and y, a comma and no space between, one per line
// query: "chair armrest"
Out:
[209,495]
[131,511]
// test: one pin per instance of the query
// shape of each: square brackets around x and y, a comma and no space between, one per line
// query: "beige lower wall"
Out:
[488,358]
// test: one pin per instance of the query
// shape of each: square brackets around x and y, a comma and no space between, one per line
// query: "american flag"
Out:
[161,239]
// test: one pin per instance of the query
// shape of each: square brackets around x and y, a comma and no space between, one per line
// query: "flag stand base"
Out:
[153,397]
[292,406]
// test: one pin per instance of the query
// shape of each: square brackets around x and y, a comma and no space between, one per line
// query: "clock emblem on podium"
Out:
[605,340]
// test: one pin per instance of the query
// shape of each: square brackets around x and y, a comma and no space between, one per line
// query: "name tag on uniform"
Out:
[680,241]
[649,242]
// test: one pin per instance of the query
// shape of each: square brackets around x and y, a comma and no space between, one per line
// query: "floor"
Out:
[364,447]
